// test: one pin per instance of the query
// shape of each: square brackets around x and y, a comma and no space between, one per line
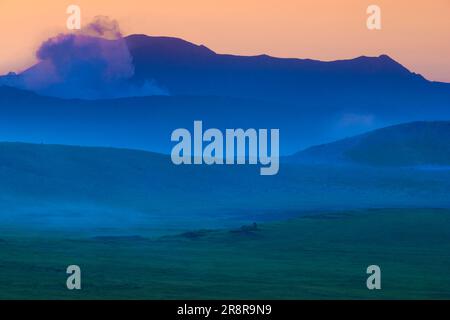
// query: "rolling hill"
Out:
[121,191]
[411,144]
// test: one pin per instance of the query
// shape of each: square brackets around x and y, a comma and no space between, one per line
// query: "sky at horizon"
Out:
[416,34]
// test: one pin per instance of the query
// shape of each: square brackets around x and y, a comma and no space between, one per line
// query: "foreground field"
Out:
[319,256]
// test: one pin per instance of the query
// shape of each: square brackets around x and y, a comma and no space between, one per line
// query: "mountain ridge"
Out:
[182,45]
[152,65]
[200,71]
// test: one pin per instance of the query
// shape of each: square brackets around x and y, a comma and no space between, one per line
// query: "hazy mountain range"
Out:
[311,102]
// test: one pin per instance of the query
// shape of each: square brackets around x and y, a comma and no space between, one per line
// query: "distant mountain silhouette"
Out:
[147,122]
[185,68]
[175,66]
[139,122]
[410,144]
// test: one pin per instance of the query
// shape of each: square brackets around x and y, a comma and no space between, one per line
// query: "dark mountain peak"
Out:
[165,45]
[385,57]
[382,64]
[388,62]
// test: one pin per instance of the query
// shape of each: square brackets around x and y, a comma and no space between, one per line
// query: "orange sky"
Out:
[415,33]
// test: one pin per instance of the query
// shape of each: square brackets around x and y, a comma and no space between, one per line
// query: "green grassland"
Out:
[318,256]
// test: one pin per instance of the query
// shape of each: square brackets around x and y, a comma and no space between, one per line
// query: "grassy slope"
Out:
[321,256]
[409,144]
[57,189]
[117,191]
